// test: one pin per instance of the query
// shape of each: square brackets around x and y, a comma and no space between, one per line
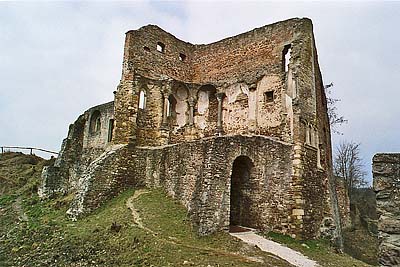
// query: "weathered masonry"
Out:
[236,130]
[386,171]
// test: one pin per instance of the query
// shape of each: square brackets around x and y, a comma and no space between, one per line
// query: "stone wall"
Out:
[87,138]
[198,174]
[386,171]
[141,55]
[343,202]
[98,137]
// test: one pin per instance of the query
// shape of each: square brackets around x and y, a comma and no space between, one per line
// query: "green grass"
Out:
[361,244]
[318,250]
[49,238]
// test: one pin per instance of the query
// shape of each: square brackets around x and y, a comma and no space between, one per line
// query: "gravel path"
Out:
[290,255]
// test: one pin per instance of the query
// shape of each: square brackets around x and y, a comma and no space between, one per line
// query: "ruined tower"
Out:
[236,130]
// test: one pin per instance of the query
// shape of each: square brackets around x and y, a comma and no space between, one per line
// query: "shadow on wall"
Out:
[241,193]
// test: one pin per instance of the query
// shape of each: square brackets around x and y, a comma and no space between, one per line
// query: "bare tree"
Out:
[348,165]
[335,119]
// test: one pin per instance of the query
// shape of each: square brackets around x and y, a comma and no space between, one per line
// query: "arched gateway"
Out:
[241,202]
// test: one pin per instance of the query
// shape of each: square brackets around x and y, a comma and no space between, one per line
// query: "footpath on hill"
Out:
[249,237]
[288,254]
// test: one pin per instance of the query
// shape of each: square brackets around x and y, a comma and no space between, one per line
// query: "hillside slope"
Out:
[20,173]
[137,228]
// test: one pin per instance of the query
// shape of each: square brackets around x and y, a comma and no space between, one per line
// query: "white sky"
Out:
[57,59]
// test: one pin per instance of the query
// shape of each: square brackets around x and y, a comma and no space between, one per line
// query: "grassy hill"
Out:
[138,228]
[20,173]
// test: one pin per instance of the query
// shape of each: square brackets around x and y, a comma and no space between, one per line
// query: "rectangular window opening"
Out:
[161,47]
[269,96]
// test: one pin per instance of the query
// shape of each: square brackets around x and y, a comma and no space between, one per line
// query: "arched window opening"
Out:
[308,135]
[142,99]
[286,55]
[171,108]
[181,108]
[241,198]
[161,47]
[312,136]
[110,130]
[95,122]
[207,106]
[182,57]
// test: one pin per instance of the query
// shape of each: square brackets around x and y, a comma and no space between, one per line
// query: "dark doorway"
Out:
[241,192]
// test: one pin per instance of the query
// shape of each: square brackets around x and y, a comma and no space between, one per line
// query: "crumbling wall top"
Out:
[152,52]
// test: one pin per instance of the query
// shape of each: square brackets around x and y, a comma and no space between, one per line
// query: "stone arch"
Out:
[171,109]
[236,108]
[241,193]
[95,122]
[179,104]
[207,107]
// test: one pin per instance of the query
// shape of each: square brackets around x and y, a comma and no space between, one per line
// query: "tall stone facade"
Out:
[236,130]
[386,171]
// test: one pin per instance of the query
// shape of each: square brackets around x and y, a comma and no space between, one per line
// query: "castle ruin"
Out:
[236,130]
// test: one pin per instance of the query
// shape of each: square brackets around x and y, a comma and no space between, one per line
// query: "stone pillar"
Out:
[164,123]
[191,111]
[220,129]
[252,100]
[164,129]
[386,172]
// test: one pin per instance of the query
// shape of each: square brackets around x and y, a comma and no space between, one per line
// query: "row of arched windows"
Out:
[178,106]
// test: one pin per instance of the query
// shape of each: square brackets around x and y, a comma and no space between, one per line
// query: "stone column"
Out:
[164,122]
[164,129]
[220,97]
[191,111]
[252,101]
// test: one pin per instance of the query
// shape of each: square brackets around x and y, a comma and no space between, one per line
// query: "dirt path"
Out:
[285,253]
[290,255]
[172,240]
[136,217]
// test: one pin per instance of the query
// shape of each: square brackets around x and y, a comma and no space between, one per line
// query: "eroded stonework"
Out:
[236,130]
[386,171]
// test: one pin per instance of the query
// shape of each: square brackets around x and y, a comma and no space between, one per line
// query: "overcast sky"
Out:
[58,59]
